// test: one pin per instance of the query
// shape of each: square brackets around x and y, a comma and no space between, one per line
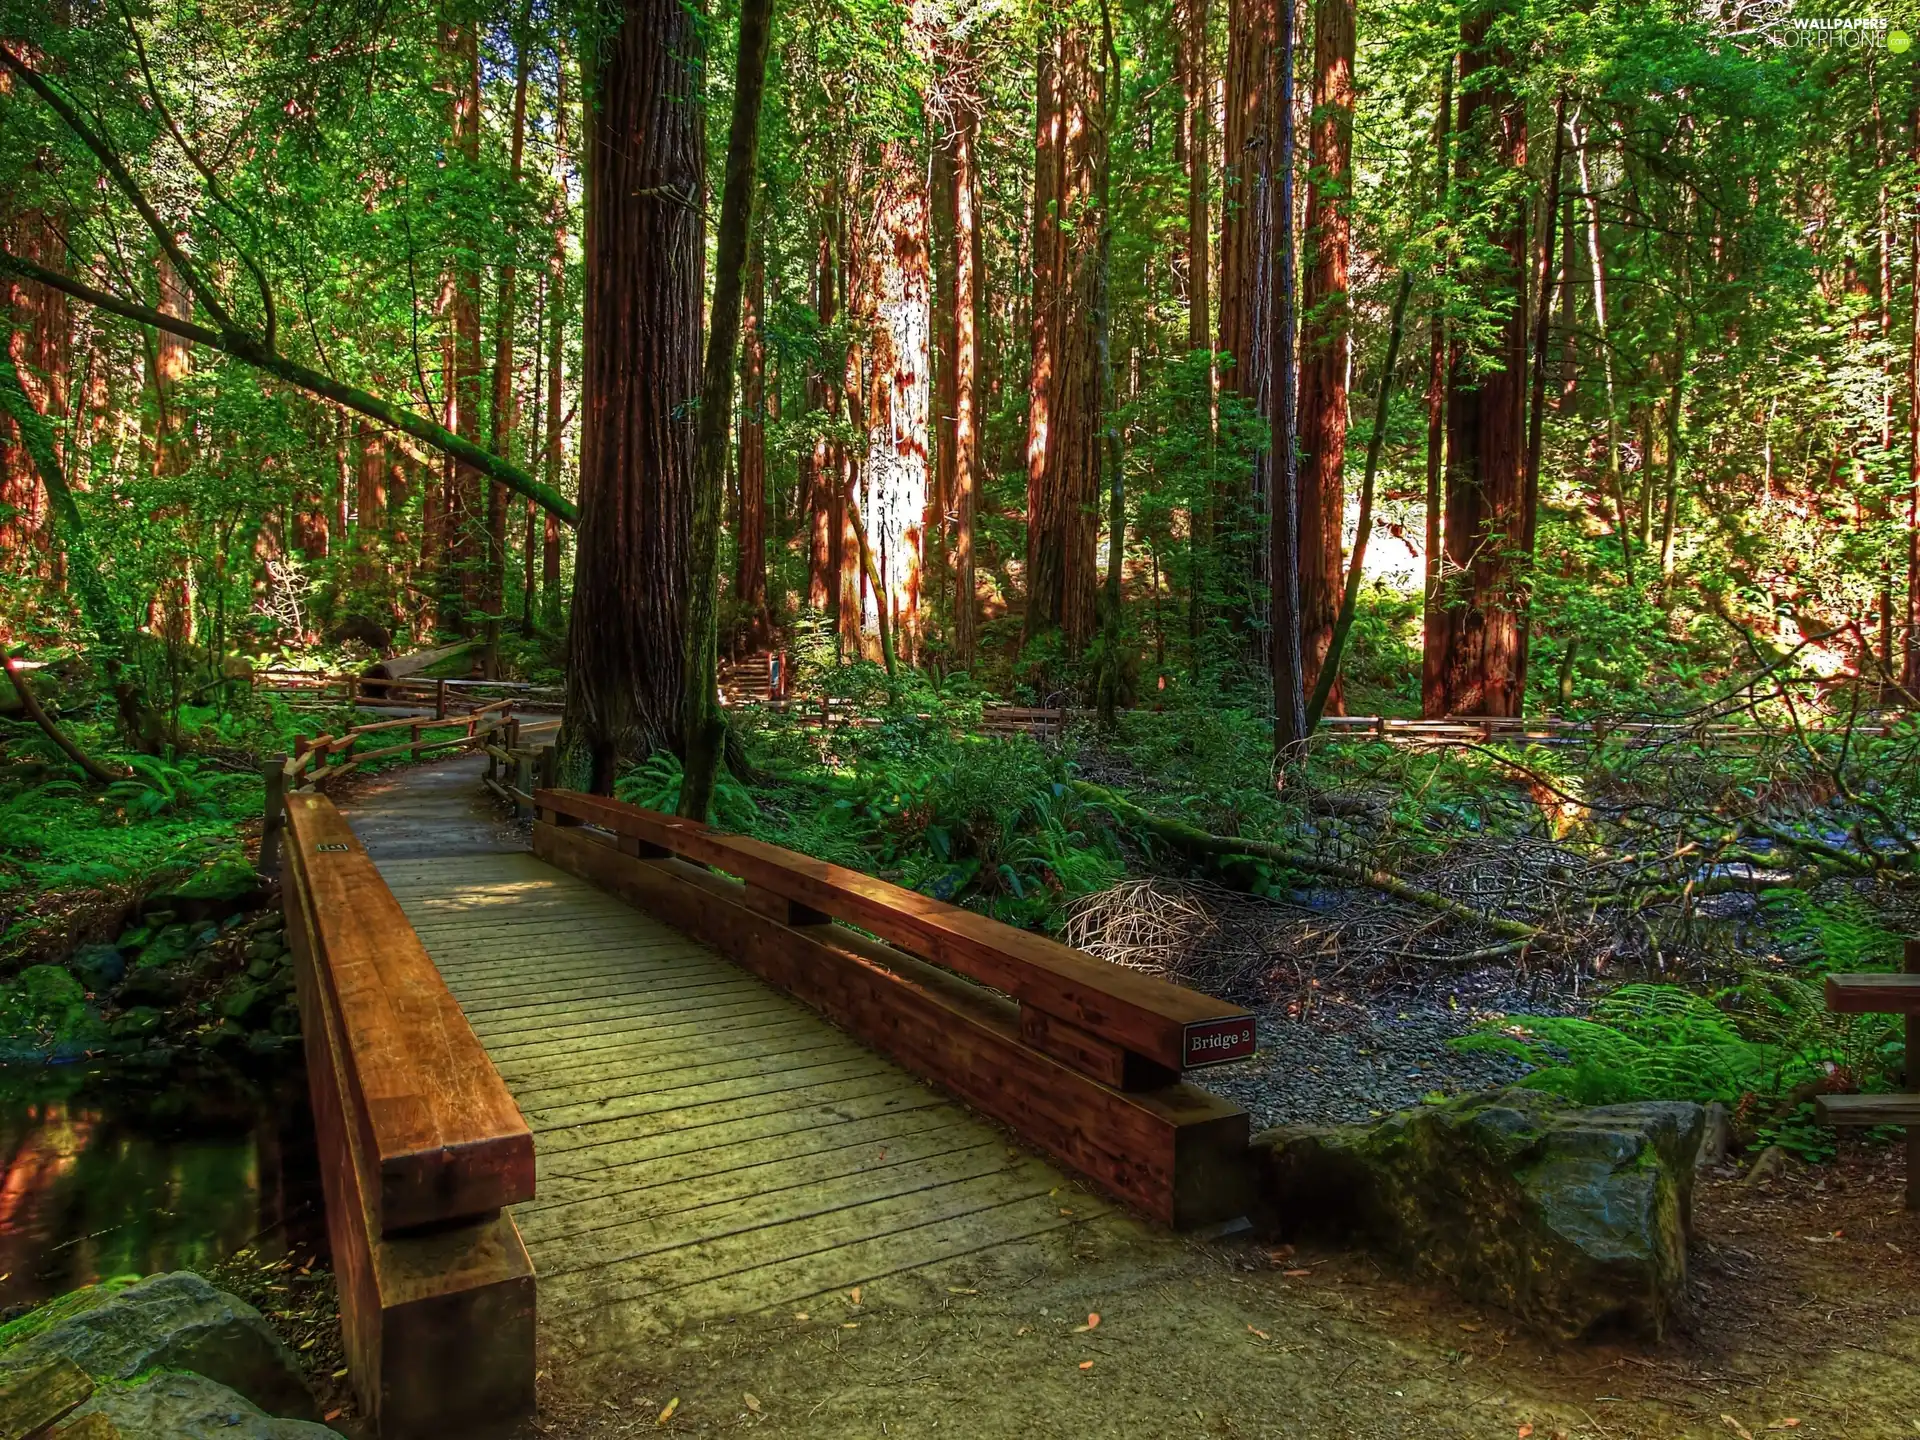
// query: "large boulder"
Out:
[177,1405]
[1575,1220]
[165,1322]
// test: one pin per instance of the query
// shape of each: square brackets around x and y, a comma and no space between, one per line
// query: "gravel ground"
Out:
[1338,1059]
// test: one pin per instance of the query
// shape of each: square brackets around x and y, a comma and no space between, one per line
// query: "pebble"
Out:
[1356,1058]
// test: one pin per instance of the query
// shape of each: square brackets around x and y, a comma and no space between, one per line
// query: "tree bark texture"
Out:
[896,304]
[1482,669]
[1063,440]
[641,370]
[750,554]
[1325,335]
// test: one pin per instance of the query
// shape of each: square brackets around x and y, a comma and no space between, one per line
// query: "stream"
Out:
[110,1175]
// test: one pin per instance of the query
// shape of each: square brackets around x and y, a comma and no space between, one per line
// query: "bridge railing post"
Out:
[274,772]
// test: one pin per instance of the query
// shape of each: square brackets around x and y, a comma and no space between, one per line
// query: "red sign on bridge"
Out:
[1215,1042]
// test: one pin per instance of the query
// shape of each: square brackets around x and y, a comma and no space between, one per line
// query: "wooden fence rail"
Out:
[1082,1058]
[420,1145]
[326,758]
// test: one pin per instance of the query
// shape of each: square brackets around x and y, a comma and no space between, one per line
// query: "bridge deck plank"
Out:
[704,1144]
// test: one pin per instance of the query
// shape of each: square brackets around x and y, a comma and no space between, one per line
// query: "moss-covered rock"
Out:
[98,968]
[1575,1220]
[218,889]
[180,1405]
[120,1332]
[45,1017]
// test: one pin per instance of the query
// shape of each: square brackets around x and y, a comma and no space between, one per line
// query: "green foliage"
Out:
[1831,933]
[654,784]
[1642,1042]
[1761,1039]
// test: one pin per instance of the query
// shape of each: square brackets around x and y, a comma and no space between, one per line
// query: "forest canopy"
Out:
[1572,345]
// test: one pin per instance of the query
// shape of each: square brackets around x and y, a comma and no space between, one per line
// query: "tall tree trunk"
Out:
[463,590]
[1910,674]
[897,294]
[705,731]
[750,552]
[1289,688]
[1063,440]
[1483,669]
[556,348]
[645,164]
[501,413]
[1195,119]
[1542,337]
[39,337]
[170,614]
[1325,337]
[1246,252]
[964,300]
[820,466]
[1616,481]
[1433,648]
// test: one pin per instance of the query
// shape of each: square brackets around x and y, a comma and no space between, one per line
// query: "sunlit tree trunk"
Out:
[500,415]
[556,351]
[461,520]
[39,337]
[1246,244]
[750,554]
[170,613]
[1325,337]
[1482,670]
[1910,674]
[896,300]
[819,475]
[1433,648]
[964,303]
[1198,133]
[1063,439]
[646,162]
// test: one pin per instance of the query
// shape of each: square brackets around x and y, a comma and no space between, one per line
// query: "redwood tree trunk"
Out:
[750,558]
[646,160]
[40,340]
[819,468]
[1324,336]
[556,351]
[964,302]
[501,416]
[898,299]
[460,513]
[1483,663]
[1246,244]
[1063,440]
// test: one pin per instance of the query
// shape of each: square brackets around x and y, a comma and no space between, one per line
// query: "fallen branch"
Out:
[1195,843]
[28,702]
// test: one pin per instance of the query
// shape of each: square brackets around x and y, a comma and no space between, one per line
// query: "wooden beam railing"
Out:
[420,1145]
[1082,1058]
[326,758]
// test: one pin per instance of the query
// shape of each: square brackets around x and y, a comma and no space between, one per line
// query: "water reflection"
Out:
[105,1175]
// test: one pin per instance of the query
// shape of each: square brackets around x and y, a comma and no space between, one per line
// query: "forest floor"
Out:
[1805,1320]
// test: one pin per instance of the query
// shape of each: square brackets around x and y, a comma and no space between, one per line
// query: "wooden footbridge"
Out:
[636,1072]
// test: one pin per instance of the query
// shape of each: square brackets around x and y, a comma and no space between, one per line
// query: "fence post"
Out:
[549,767]
[522,782]
[353,690]
[414,731]
[274,772]
[439,699]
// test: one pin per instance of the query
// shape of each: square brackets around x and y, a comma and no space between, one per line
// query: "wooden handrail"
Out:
[1166,1024]
[441,1135]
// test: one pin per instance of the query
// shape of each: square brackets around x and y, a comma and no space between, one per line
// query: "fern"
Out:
[1661,1042]
[1840,933]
